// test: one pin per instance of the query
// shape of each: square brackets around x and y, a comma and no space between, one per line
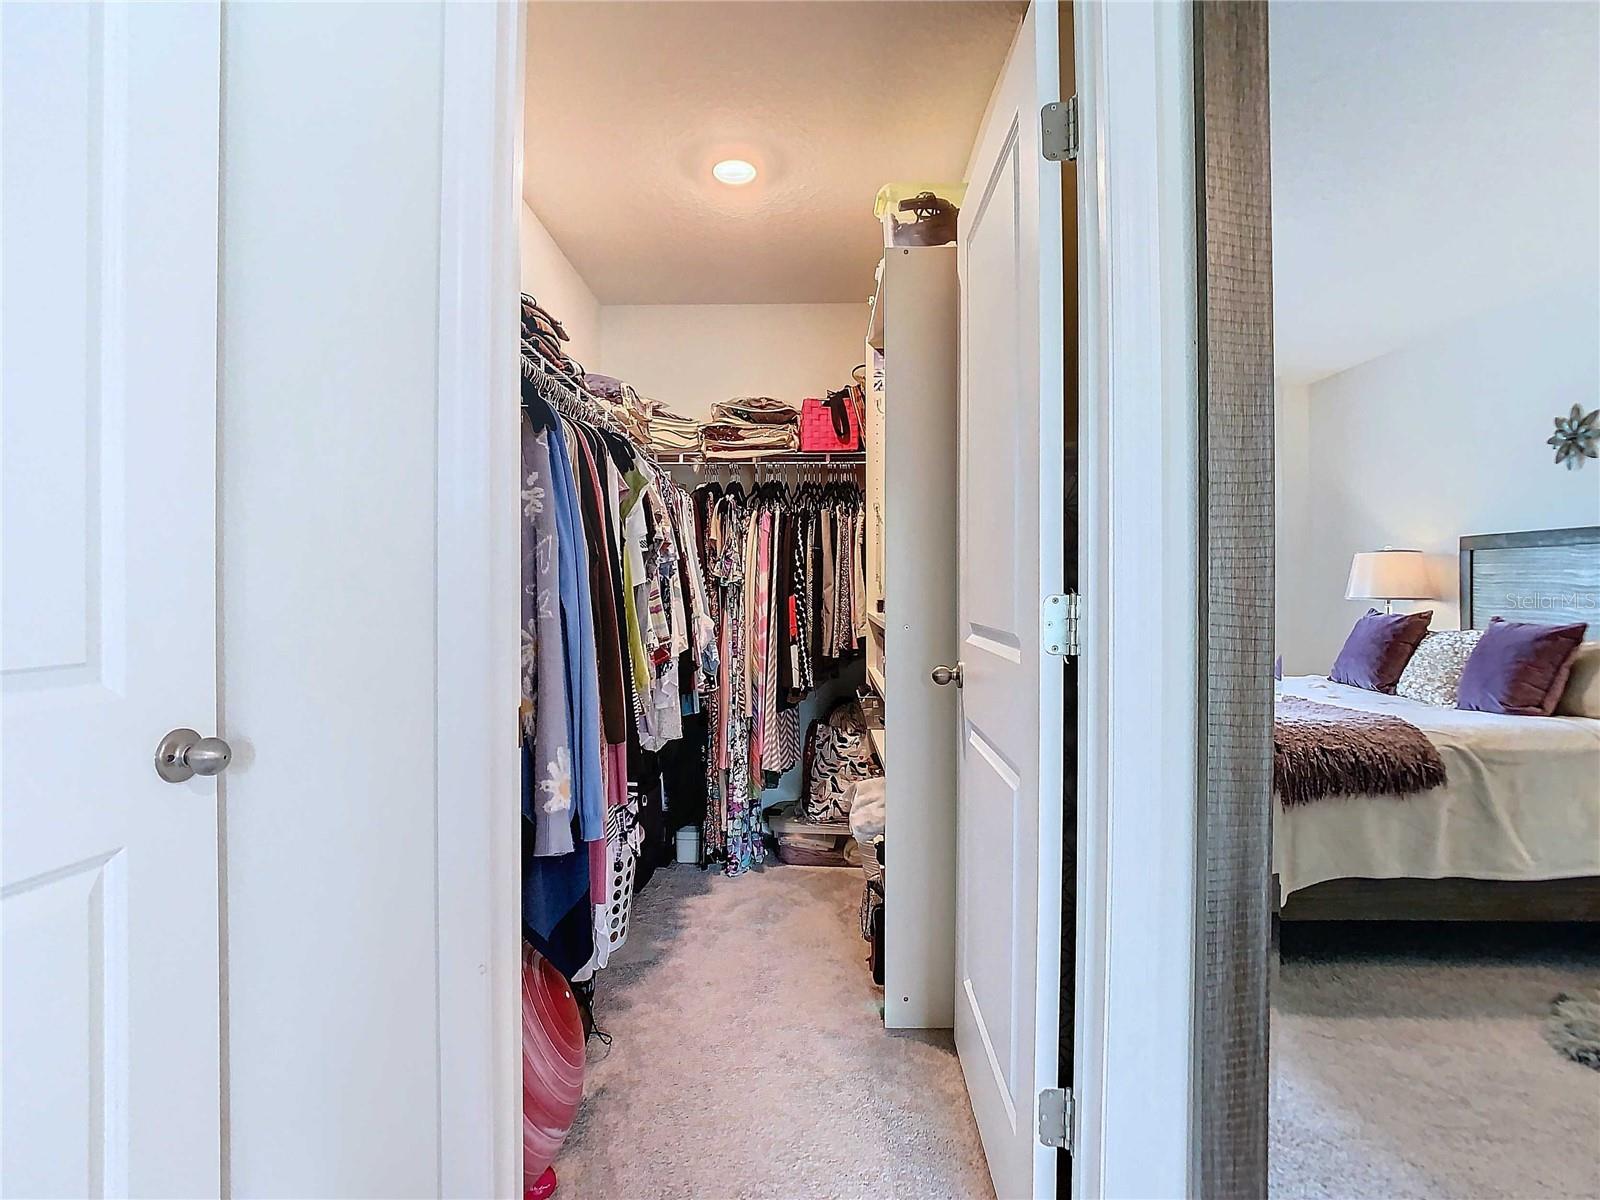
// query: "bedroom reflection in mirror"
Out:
[1436,768]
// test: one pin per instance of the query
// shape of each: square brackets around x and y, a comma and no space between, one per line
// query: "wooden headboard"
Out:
[1546,575]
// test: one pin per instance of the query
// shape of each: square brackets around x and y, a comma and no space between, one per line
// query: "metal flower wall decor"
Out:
[1575,437]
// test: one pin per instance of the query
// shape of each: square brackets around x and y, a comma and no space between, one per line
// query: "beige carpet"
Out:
[750,1058]
[1411,1063]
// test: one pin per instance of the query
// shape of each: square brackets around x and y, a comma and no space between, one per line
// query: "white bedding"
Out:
[1522,802]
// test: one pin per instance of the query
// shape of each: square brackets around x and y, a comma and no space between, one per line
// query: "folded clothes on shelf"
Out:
[543,335]
[750,427]
[673,433]
[725,440]
[754,410]
[630,410]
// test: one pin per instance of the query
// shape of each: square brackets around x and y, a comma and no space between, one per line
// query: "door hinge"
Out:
[1055,1118]
[1058,130]
[1060,624]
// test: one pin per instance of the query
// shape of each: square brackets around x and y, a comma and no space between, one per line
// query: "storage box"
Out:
[688,845]
[804,843]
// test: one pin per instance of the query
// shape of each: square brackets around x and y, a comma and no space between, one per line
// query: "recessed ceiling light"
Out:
[734,172]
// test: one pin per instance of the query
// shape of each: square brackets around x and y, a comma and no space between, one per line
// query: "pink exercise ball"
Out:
[552,1062]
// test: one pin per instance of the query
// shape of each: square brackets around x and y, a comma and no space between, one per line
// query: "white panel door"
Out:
[1008,966]
[109,332]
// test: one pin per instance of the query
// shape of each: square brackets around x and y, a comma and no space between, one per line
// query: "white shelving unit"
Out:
[910,438]
[876,680]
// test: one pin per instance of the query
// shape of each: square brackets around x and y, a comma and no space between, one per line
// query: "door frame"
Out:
[1135,1026]
[1137,567]
[477,550]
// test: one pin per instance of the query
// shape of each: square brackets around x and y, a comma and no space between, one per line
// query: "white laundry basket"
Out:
[622,861]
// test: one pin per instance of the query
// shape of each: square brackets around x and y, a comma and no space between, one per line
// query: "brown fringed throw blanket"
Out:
[1320,750]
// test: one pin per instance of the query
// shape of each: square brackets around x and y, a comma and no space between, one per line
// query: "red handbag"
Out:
[831,426]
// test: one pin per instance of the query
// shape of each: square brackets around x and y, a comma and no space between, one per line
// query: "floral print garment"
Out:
[547,798]
[736,710]
[733,816]
[709,523]
[669,633]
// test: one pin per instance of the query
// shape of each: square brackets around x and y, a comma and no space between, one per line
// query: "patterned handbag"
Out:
[831,426]
[837,754]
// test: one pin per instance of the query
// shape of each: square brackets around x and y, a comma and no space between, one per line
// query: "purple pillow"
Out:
[1378,649]
[1519,668]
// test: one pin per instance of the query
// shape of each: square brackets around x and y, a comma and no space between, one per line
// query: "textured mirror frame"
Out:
[1234,307]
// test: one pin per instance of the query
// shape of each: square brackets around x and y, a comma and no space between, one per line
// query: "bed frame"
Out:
[1549,575]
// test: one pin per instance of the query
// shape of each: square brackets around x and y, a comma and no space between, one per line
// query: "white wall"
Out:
[1443,438]
[550,278]
[329,386]
[692,355]
[1290,497]
[1388,224]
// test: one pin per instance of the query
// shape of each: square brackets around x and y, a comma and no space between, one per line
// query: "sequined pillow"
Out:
[1433,676]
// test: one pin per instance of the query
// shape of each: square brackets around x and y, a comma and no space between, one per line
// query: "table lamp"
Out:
[1388,575]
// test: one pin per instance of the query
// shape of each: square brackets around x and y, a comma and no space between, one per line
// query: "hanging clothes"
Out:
[782,564]
[649,613]
[738,837]
[556,879]
[613,649]
[545,726]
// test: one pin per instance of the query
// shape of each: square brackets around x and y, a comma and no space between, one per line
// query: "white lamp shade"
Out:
[1389,575]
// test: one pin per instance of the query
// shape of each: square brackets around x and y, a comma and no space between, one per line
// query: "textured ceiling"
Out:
[1430,162]
[629,104]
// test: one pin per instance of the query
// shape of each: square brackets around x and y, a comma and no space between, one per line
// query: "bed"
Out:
[1515,832]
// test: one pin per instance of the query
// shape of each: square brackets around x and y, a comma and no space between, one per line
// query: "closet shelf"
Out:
[694,458]
[880,741]
[875,313]
[875,678]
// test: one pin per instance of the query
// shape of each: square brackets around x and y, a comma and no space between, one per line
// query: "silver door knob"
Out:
[183,754]
[944,676]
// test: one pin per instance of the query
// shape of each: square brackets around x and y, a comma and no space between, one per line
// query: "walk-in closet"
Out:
[741,461]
